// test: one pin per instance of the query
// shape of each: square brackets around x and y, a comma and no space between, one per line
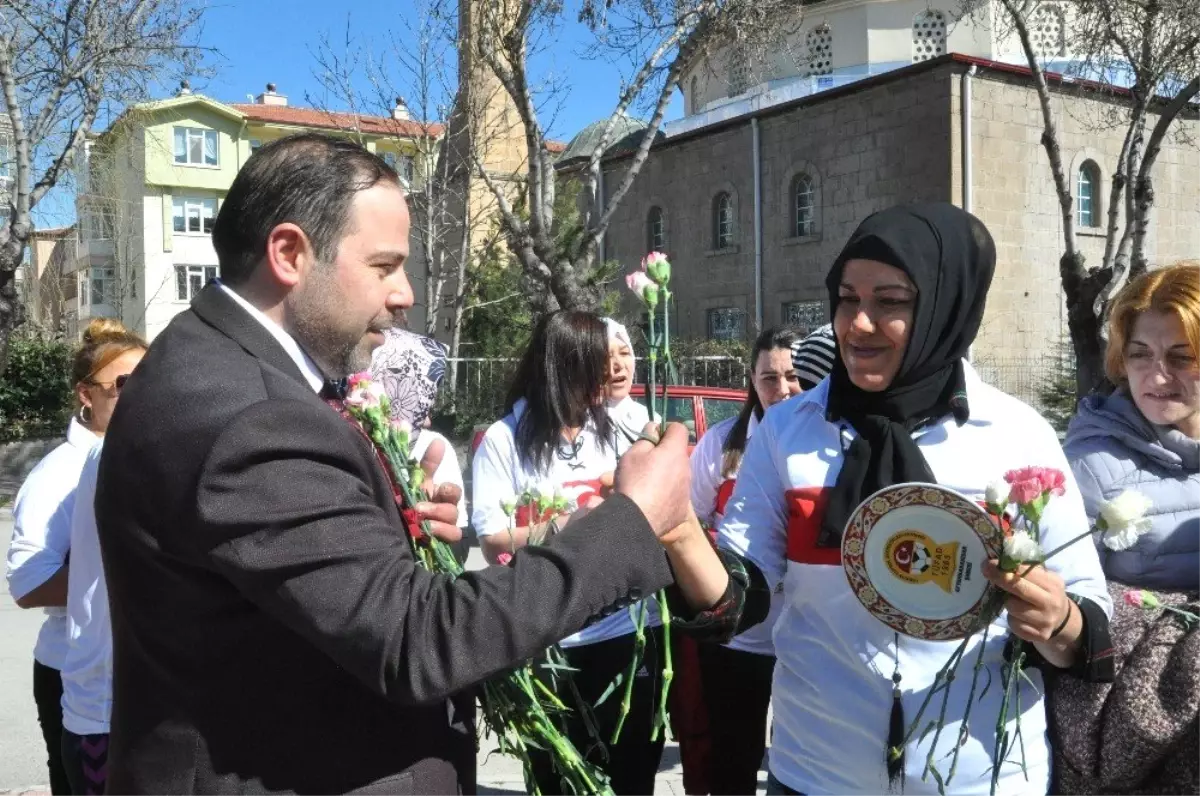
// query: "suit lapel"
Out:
[217,309]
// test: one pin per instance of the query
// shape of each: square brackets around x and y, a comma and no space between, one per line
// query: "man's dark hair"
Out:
[561,377]
[308,180]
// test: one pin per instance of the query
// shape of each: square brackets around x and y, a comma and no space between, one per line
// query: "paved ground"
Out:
[22,753]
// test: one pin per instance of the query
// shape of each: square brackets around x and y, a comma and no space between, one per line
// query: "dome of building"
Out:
[625,129]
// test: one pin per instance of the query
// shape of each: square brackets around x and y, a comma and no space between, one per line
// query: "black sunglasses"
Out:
[119,382]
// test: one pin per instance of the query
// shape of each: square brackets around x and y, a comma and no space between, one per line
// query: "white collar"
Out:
[80,436]
[312,374]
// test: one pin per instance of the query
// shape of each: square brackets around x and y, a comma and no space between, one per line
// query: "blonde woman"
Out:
[37,556]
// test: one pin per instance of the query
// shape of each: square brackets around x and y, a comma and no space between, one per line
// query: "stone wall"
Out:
[1014,195]
[895,138]
[864,149]
[18,458]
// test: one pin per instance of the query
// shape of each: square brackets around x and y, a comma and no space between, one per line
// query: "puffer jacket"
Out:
[1112,447]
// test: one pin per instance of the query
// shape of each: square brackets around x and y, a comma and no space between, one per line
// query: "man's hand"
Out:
[658,479]
[440,508]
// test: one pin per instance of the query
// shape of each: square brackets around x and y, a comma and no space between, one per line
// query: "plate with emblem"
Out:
[913,554]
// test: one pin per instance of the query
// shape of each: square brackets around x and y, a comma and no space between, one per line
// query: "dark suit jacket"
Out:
[271,629]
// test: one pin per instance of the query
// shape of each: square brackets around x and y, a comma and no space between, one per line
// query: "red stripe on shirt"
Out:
[806,509]
[724,494]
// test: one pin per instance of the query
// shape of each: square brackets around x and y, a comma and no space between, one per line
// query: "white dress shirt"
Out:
[312,374]
[87,670]
[42,534]
[832,690]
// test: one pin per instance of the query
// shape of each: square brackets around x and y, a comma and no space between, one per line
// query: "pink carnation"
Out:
[1030,483]
[1141,599]
[357,378]
[504,559]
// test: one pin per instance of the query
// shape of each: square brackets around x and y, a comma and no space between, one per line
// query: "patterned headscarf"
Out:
[410,367]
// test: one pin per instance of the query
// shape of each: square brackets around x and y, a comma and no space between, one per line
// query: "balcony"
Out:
[89,253]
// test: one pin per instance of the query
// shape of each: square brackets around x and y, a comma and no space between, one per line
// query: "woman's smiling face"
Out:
[873,321]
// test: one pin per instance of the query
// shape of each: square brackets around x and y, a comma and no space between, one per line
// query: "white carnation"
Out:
[997,493]
[1126,536]
[1020,546]
[1124,510]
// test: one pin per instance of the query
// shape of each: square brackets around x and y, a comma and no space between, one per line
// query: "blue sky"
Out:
[250,58]
[261,41]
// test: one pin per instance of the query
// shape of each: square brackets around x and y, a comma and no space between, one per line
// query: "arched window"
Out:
[804,206]
[928,35]
[722,221]
[819,44]
[1047,31]
[694,95]
[656,230]
[1087,195]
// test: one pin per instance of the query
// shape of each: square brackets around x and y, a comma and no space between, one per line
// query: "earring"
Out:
[85,415]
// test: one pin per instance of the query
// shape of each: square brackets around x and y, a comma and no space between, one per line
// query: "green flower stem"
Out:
[939,682]
[652,376]
[1000,751]
[639,648]
[668,673]
[1058,550]
[514,708]
[664,343]
[941,723]
[970,702]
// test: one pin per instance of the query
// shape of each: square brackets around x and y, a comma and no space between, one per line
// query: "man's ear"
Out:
[289,254]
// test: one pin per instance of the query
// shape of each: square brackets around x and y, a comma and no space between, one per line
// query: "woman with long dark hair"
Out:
[556,439]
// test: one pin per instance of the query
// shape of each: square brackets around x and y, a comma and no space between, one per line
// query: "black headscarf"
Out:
[950,258]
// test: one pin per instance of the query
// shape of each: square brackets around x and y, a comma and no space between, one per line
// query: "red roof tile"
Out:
[311,117]
[371,125]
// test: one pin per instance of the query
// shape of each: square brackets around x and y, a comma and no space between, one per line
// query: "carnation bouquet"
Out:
[1016,505]
[517,707]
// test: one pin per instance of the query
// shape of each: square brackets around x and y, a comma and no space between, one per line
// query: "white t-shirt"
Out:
[42,534]
[498,474]
[711,491]
[630,418]
[448,472]
[87,671]
[832,691]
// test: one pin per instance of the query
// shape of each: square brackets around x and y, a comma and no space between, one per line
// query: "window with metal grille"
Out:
[723,221]
[656,230]
[805,206]
[726,323]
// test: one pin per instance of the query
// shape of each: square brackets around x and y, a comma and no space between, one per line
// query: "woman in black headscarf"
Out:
[901,405]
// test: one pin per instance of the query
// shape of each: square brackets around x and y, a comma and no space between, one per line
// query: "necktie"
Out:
[333,390]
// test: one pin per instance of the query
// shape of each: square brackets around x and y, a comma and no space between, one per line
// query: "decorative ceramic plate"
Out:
[913,555]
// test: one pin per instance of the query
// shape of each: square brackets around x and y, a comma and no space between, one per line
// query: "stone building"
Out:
[753,194]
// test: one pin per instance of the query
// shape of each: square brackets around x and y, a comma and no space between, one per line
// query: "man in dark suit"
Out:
[271,629]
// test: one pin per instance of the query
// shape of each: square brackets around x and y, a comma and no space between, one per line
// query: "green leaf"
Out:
[617,682]
[941,785]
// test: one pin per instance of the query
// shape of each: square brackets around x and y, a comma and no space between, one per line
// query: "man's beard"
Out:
[338,352]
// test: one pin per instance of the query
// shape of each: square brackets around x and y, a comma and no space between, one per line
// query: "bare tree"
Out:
[60,60]
[661,39]
[415,67]
[1145,56]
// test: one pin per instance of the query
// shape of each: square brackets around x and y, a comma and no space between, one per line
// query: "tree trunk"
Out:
[1082,291]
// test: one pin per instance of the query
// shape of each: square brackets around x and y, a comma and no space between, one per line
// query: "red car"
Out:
[698,408]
